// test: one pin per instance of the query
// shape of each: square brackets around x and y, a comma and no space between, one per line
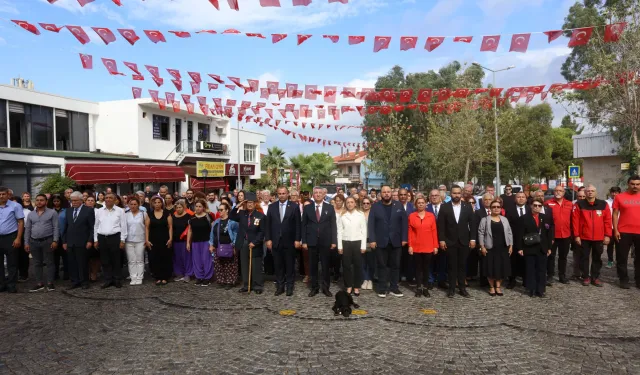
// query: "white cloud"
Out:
[442,10]
[104,9]
[7,7]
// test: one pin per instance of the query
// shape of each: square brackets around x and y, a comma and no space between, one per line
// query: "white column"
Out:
[8,126]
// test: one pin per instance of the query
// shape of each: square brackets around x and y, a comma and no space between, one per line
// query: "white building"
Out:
[123,144]
[600,161]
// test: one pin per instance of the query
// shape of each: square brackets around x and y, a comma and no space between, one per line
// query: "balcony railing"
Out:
[186,147]
[350,176]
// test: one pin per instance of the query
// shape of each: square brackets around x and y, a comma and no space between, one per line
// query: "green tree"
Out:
[272,162]
[319,168]
[55,184]
[569,123]
[392,155]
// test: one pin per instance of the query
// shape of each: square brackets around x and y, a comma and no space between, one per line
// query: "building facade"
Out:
[600,161]
[123,144]
[353,170]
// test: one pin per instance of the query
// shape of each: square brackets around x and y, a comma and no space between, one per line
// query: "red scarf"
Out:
[536,219]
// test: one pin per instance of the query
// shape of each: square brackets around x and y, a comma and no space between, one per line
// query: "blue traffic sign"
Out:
[574,171]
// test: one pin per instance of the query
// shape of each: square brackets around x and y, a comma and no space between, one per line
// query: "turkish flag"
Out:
[291,87]
[385,109]
[388,95]
[117,2]
[158,81]
[289,107]
[231,31]
[175,73]
[275,38]
[235,80]
[212,86]
[461,93]
[137,92]
[348,92]
[129,35]
[195,76]
[372,109]
[480,91]
[216,101]
[155,36]
[381,42]
[171,97]
[356,39]
[176,106]
[87,61]
[132,66]
[245,104]
[612,32]
[398,108]
[334,38]
[535,89]
[195,87]
[495,91]
[216,78]
[301,2]
[264,93]
[256,35]
[181,34]
[283,113]
[105,34]
[424,95]
[186,98]
[85,2]
[463,39]
[111,66]
[438,108]
[490,43]
[233,4]
[580,36]
[53,1]
[330,94]
[530,96]
[154,95]
[321,114]
[443,94]
[346,108]
[153,70]
[360,110]
[270,3]
[302,38]
[296,114]
[231,102]
[254,85]
[412,106]
[50,27]
[78,33]
[190,108]
[206,31]
[137,77]
[273,87]
[405,95]
[310,92]
[519,42]
[177,83]
[204,109]
[408,42]
[553,34]
[215,4]
[433,42]
[543,95]
[557,87]
[231,87]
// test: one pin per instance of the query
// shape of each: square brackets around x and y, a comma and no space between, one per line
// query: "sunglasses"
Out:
[537,205]
[496,207]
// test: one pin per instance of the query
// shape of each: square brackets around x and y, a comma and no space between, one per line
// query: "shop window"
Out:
[161,127]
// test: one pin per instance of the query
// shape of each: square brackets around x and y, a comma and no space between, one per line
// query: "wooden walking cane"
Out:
[250,269]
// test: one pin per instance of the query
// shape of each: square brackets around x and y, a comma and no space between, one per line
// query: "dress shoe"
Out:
[464,293]
[425,292]
[327,293]
[443,285]
[313,292]
[289,292]
[451,293]
[106,285]
[75,286]
[564,280]
[419,292]
[624,285]
[243,290]
[429,286]
[258,291]
[279,292]
[3,289]
[541,295]
[531,293]
[118,284]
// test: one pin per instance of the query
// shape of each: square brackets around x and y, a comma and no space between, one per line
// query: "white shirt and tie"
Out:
[76,212]
[436,209]
[521,211]
[283,209]
[109,222]
[456,211]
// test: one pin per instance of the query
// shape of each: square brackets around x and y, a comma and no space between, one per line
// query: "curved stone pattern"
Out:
[184,329]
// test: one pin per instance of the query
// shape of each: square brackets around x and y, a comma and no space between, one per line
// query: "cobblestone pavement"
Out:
[185,329]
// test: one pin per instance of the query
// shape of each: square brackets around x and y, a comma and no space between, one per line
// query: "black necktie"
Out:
[75,214]
[435,211]
[521,211]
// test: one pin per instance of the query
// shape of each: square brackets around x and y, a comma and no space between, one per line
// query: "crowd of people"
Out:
[365,239]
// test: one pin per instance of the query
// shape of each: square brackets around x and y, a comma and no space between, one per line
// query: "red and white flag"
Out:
[207,32]
[321,114]
[175,73]
[330,94]
[443,94]
[130,35]
[51,27]
[154,95]
[463,39]
[356,39]
[231,31]
[275,38]
[348,92]
[269,112]
[381,42]
[519,42]
[195,87]
[105,34]
[216,78]
[111,66]
[495,91]
[231,87]
[490,43]
[612,32]
[79,33]
[264,93]
[553,34]
[231,102]
[181,34]
[580,36]
[212,86]
[215,4]
[137,92]
[303,37]
[158,81]
[155,36]
[190,108]
[117,2]
[254,85]
[176,106]
[461,93]
[310,92]
[233,4]
[177,83]
[137,77]
[405,95]
[153,70]
[433,42]
[269,3]
[87,61]
[171,97]
[339,1]
[273,87]
[235,80]
[333,38]
[408,42]
[216,101]
[186,98]
[133,67]
[85,2]
[195,76]
[291,87]
[255,35]
[424,95]
[301,2]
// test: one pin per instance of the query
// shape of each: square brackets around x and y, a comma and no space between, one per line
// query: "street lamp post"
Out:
[204,173]
[366,180]
[495,119]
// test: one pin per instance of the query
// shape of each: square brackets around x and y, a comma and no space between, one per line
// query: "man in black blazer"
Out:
[475,258]
[457,233]
[282,236]
[251,225]
[388,232]
[514,213]
[319,236]
[77,240]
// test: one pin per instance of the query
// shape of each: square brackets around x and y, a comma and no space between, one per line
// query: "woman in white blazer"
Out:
[352,243]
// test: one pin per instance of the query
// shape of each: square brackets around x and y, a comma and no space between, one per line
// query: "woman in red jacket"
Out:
[423,243]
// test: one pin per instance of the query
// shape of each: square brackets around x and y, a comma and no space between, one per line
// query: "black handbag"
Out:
[531,239]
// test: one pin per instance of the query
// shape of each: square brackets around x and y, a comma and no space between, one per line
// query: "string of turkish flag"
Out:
[233,4]
[310,139]
[519,42]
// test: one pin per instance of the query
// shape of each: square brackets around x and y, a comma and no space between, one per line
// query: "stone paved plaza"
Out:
[183,329]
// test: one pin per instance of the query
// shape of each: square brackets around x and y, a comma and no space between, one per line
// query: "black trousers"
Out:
[352,264]
[284,259]
[78,258]
[6,248]
[536,272]
[388,268]
[422,263]
[23,262]
[561,247]
[109,247]
[593,248]
[408,266]
[611,248]
[457,258]
[517,266]
[622,256]
[58,254]
[257,277]
[335,260]
[319,254]
[473,262]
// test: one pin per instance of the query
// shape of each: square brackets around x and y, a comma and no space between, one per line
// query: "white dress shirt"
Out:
[436,209]
[352,226]
[264,206]
[110,222]
[136,227]
[524,210]
[456,211]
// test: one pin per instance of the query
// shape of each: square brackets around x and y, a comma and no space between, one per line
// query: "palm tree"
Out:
[319,168]
[273,161]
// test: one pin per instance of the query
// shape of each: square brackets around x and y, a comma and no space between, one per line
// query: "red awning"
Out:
[212,183]
[91,174]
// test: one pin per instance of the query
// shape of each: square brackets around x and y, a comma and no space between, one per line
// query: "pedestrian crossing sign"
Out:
[574,171]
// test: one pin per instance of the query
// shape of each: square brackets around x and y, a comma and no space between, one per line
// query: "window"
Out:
[3,123]
[40,119]
[161,127]
[349,170]
[79,131]
[250,153]
[203,132]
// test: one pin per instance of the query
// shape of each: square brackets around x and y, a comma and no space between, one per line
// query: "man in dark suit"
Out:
[250,237]
[282,235]
[77,240]
[439,263]
[475,258]
[319,236]
[388,232]
[457,234]
[514,213]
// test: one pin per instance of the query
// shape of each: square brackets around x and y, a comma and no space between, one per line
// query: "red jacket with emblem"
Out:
[561,217]
[591,221]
